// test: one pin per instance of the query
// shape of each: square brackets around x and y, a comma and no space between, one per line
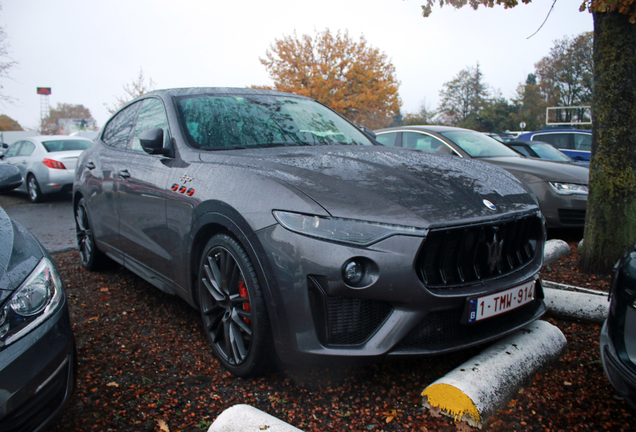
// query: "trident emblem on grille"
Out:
[494,251]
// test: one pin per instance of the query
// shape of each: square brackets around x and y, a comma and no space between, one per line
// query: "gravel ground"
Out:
[145,365]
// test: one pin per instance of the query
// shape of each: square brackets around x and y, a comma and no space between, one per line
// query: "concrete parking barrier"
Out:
[555,249]
[574,303]
[487,382]
[245,418]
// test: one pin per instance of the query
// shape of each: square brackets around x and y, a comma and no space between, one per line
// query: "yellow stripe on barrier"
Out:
[452,401]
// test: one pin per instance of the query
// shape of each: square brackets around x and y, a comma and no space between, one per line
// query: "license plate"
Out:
[494,304]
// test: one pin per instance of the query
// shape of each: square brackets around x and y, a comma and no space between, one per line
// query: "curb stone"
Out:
[245,418]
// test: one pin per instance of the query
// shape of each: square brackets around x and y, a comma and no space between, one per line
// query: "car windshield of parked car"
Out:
[546,151]
[66,145]
[478,145]
[230,122]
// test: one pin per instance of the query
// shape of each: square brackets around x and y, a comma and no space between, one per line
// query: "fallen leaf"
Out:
[163,426]
[112,384]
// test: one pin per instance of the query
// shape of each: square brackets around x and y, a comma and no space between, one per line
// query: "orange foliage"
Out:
[350,77]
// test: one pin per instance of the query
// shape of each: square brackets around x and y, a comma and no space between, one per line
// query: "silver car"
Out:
[47,163]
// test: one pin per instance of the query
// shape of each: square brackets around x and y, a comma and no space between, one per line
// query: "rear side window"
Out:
[387,139]
[26,149]
[521,149]
[558,140]
[118,131]
[66,145]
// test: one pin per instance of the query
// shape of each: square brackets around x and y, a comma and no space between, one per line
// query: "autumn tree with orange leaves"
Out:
[610,221]
[350,77]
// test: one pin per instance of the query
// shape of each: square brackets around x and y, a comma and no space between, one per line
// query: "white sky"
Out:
[86,50]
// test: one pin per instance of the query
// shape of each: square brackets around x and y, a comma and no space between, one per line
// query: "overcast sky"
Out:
[87,50]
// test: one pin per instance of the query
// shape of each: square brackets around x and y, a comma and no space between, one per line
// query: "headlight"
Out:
[36,299]
[351,231]
[569,188]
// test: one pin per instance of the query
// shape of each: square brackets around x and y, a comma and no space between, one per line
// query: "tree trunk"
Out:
[610,225]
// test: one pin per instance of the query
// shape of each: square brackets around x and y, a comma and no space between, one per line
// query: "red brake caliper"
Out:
[243,294]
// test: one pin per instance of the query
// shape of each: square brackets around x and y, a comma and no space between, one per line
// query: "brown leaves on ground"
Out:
[145,365]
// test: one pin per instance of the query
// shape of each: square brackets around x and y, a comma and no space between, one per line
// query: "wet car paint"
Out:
[154,213]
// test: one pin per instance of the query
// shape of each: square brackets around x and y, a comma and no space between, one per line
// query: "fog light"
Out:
[352,272]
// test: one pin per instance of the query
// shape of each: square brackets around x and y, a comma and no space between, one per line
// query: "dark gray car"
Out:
[561,189]
[37,351]
[297,236]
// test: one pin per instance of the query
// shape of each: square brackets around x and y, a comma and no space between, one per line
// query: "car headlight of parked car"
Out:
[349,231]
[32,303]
[569,188]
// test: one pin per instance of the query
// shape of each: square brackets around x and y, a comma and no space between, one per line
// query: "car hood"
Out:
[530,170]
[20,253]
[388,185]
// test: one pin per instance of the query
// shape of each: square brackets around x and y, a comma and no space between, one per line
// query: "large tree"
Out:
[566,74]
[463,97]
[351,77]
[8,124]
[51,123]
[6,64]
[610,224]
[530,104]
[136,88]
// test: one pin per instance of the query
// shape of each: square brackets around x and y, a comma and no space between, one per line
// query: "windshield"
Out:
[477,144]
[546,151]
[66,145]
[230,122]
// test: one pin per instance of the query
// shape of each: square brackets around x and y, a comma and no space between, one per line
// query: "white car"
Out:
[47,163]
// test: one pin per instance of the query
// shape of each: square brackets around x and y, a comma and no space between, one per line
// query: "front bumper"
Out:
[622,377]
[37,375]
[315,314]
[560,211]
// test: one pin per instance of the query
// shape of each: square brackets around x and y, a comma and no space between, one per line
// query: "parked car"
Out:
[541,150]
[296,235]
[47,163]
[37,351]
[618,335]
[501,136]
[576,143]
[561,189]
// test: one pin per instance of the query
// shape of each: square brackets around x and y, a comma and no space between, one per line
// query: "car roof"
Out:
[431,128]
[220,91]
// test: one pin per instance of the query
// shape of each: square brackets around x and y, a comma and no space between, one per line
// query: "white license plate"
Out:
[494,304]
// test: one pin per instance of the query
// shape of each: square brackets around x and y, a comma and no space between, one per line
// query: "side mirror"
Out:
[151,141]
[368,132]
[10,178]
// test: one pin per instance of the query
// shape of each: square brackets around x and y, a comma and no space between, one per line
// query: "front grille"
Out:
[345,321]
[572,217]
[460,256]
[443,330]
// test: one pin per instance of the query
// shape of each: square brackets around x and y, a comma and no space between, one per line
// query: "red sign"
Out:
[44,90]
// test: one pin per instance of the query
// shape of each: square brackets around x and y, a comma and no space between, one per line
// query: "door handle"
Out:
[123,174]
[90,165]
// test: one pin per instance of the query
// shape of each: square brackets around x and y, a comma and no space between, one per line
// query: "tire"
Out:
[92,258]
[33,189]
[232,307]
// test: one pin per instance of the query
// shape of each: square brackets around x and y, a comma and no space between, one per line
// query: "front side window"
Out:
[26,149]
[478,145]
[151,115]
[230,122]
[583,141]
[118,130]
[13,149]
[420,141]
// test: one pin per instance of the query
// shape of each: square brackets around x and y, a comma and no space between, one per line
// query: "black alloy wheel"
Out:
[91,257]
[33,188]
[233,309]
